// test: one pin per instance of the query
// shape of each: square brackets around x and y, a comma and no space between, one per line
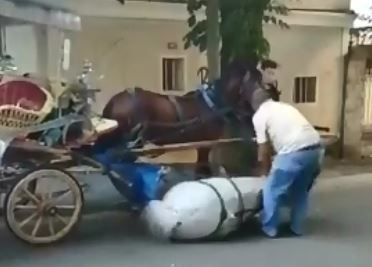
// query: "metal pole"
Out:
[213,39]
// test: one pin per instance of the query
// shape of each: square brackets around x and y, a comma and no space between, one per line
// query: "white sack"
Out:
[192,210]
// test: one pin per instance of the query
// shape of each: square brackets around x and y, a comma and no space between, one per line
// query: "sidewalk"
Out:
[338,168]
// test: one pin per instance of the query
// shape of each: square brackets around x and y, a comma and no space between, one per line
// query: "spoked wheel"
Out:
[50,212]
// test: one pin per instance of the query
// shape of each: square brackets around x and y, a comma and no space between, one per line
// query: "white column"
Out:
[54,51]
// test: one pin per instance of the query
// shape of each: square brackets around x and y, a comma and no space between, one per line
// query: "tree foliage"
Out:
[363,35]
[241,27]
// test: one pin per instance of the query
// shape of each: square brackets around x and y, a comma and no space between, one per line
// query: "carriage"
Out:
[44,199]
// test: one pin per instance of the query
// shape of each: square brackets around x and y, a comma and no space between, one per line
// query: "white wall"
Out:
[26,43]
[311,51]
[128,53]
[317,4]
[36,49]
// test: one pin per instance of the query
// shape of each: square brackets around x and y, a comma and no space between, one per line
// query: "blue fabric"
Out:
[52,136]
[139,182]
[210,96]
[290,178]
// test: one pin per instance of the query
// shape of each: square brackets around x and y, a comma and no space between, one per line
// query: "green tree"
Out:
[241,33]
[241,27]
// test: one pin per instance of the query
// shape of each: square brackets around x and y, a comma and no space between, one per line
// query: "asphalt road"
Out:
[339,234]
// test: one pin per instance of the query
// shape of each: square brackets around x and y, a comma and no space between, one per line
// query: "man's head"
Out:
[259,96]
[268,69]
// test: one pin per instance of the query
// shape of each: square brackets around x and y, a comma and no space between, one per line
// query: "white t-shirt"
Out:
[284,126]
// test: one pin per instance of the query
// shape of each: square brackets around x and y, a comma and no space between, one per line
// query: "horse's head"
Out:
[262,76]
[237,83]
[232,79]
[252,81]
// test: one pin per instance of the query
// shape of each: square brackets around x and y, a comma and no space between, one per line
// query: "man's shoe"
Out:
[269,233]
[288,231]
[293,232]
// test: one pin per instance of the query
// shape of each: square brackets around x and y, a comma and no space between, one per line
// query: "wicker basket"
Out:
[22,104]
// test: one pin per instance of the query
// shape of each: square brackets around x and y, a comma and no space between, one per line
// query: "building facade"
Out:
[140,44]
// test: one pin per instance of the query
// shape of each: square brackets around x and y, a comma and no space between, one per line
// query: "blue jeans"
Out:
[290,177]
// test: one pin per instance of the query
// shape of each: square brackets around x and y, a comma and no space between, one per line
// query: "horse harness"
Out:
[206,96]
[177,107]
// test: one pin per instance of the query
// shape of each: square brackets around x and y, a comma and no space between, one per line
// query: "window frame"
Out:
[170,56]
[316,88]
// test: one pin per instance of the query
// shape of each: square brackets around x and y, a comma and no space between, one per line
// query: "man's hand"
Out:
[264,158]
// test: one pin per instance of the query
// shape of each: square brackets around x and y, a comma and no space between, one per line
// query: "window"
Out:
[173,74]
[304,90]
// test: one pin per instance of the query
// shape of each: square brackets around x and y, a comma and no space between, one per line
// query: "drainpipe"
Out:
[344,96]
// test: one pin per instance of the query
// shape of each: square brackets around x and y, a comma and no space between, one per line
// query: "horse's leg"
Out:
[203,168]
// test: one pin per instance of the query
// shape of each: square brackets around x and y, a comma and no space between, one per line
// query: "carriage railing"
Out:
[84,94]
[73,106]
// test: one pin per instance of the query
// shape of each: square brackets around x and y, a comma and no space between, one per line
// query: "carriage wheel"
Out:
[52,210]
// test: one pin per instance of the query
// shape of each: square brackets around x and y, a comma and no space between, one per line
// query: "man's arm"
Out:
[264,158]
[264,147]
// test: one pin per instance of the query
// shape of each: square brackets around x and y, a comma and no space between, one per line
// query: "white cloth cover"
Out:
[192,210]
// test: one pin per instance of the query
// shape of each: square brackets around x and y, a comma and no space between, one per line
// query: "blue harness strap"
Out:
[207,95]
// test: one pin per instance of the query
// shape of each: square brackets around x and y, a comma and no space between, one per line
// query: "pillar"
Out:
[354,109]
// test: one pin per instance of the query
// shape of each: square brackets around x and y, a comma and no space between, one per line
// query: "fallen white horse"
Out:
[210,208]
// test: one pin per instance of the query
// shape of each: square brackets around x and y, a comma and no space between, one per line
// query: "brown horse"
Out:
[160,119]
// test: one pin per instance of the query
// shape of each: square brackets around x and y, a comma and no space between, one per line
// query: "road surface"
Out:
[339,234]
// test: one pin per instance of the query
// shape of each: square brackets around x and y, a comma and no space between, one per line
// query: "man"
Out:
[268,69]
[297,162]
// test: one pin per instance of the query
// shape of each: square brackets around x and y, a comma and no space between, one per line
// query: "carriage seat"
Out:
[102,126]
[23,103]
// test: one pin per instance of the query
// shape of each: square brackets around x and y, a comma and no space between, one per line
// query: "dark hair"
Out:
[269,64]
